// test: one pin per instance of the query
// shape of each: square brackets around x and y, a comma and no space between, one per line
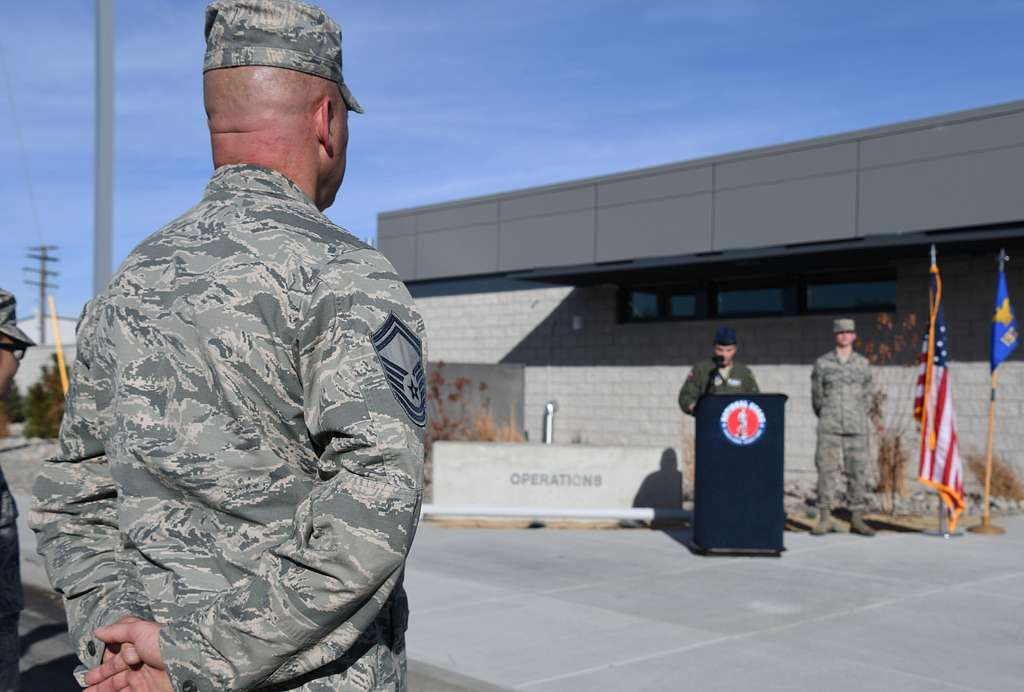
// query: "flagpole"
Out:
[927,435]
[986,526]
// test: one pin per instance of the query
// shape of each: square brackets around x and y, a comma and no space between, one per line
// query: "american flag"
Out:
[941,467]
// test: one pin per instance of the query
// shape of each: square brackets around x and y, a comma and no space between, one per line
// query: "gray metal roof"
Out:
[954,171]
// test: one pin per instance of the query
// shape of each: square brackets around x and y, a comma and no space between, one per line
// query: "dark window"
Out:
[642,305]
[682,305]
[751,301]
[871,290]
[834,296]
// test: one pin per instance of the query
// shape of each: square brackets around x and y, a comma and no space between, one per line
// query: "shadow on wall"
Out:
[584,328]
[662,489]
[584,331]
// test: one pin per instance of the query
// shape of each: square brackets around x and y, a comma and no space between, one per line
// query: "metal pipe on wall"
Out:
[550,409]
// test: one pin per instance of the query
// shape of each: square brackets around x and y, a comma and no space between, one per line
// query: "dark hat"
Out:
[725,336]
[9,319]
[275,33]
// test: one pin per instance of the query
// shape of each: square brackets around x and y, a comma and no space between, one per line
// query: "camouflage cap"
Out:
[8,319]
[275,33]
[843,324]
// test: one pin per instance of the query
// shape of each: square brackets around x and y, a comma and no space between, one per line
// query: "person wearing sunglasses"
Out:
[13,343]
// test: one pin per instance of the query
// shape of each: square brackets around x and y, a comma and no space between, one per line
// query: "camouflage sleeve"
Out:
[689,392]
[817,393]
[317,593]
[869,386]
[74,515]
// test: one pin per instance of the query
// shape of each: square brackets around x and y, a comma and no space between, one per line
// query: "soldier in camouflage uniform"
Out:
[240,470]
[13,343]
[841,390]
[719,374]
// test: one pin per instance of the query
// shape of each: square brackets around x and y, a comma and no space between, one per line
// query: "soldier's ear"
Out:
[323,115]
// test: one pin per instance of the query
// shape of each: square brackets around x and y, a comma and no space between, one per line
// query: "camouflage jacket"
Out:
[241,452]
[699,382]
[841,394]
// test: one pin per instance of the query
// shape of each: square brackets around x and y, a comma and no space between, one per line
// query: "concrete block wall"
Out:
[616,384]
[485,327]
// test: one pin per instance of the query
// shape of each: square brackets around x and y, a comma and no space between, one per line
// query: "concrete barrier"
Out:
[534,475]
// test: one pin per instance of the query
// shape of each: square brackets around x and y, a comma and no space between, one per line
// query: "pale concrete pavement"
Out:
[549,609]
[635,610]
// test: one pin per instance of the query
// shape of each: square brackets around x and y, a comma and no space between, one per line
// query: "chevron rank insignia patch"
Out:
[401,355]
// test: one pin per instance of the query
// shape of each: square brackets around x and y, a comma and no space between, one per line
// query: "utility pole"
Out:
[44,254]
[104,211]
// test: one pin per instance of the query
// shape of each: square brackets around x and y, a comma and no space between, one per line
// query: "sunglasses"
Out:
[16,350]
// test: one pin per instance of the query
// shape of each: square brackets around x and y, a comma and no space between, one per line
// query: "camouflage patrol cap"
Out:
[275,33]
[843,324]
[9,320]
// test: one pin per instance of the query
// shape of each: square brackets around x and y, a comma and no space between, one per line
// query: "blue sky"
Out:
[468,97]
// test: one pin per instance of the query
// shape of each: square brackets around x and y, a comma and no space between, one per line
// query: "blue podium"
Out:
[738,485]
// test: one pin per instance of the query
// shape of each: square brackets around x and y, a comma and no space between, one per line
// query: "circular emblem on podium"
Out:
[743,422]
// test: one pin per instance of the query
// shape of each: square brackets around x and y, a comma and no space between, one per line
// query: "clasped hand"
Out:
[132,659]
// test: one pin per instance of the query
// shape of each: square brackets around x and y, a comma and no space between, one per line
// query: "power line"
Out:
[44,254]
[23,152]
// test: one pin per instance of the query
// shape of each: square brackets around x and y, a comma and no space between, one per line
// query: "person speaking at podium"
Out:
[720,374]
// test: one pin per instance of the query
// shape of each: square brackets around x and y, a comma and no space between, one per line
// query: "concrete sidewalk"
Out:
[547,609]
[635,610]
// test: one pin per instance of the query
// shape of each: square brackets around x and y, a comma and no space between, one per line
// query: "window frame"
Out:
[794,296]
[625,305]
[664,295]
[789,297]
[871,276]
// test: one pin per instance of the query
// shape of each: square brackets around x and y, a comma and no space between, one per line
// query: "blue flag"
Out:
[1005,337]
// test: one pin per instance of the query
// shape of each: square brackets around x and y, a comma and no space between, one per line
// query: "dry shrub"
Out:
[483,428]
[452,416]
[892,343]
[446,406]
[891,349]
[1005,483]
[892,465]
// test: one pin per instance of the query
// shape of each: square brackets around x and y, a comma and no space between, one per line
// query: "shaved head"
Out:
[292,122]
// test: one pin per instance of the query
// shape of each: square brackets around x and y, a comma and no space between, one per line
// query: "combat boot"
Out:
[857,525]
[824,524]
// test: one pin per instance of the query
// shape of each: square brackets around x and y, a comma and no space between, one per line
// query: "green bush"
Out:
[13,405]
[44,404]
